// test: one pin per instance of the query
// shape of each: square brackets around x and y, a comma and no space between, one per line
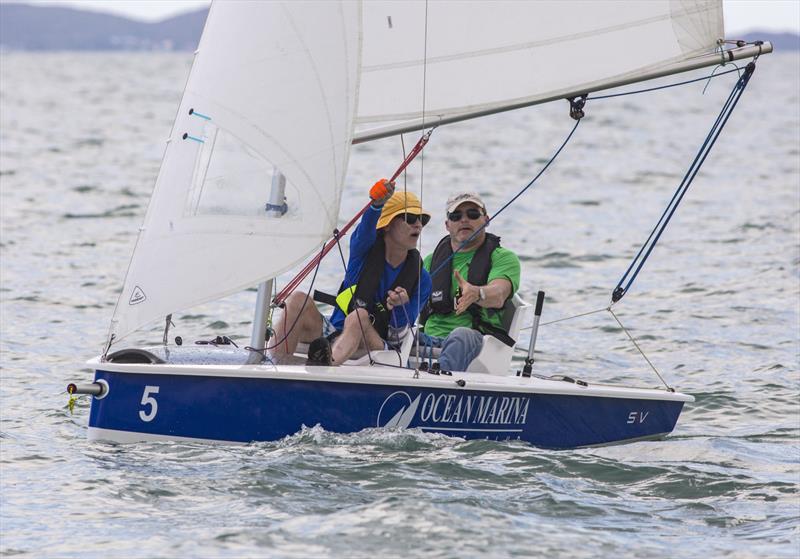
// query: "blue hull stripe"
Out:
[264,409]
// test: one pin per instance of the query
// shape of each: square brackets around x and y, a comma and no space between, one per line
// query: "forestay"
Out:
[485,56]
[273,85]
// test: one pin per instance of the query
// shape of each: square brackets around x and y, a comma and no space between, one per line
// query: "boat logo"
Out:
[397,411]
[137,297]
[455,412]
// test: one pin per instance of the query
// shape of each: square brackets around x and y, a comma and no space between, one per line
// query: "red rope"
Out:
[295,281]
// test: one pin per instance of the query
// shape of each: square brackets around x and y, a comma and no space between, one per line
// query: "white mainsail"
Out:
[278,81]
[481,57]
[283,85]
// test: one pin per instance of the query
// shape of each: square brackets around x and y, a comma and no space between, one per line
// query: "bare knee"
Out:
[358,318]
[301,315]
[358,325]
[300,304]
[295,301]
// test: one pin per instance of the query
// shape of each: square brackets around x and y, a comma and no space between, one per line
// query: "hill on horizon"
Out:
[48,28]
[24,27]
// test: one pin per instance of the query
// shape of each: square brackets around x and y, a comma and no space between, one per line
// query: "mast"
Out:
[275,208]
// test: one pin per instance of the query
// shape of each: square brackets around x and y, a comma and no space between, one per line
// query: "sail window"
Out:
[229,178]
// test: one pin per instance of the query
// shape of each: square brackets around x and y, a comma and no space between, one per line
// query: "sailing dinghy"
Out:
[252,179]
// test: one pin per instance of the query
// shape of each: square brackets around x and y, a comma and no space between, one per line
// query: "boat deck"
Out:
[396,376]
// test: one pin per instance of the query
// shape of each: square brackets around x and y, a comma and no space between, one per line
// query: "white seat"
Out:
[495,356]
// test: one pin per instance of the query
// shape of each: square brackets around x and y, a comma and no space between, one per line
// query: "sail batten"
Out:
[433,60]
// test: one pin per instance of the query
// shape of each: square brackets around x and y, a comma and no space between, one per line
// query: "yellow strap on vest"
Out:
[343,299]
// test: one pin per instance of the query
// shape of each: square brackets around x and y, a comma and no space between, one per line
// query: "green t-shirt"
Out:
[505,264]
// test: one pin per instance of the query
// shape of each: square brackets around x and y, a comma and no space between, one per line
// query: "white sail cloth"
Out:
[278,81]
[482,56]
[282,85]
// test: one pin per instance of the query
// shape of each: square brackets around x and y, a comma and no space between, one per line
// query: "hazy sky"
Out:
[740,15]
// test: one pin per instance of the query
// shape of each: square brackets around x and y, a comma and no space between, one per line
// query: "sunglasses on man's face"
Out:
[411,219]
[472,213]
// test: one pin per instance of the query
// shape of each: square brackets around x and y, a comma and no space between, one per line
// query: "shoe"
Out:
[319,353]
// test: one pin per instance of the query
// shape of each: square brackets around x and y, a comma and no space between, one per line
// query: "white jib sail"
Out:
[482,56]
[273,86]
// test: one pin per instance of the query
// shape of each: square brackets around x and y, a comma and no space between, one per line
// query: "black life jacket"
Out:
[442,300]
[369,280]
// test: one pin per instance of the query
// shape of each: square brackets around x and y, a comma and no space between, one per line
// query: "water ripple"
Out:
[715,308]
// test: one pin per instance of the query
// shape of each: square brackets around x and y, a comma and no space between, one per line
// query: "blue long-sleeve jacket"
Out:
[360,243]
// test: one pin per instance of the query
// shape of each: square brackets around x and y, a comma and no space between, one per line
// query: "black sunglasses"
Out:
[411,219]
[472,213]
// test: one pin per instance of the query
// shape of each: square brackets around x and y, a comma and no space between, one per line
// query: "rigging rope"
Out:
[667,86]
[520,193]
[655,235]
[314,262]
[647,248]
[285,337]
[564,319]
[608,308]
[669,388]
[716,129]
[422,180]
[569,136]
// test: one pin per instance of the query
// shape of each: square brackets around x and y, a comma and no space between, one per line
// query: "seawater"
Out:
[716,309]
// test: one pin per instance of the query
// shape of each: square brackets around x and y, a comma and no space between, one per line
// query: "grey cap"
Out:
[457,199]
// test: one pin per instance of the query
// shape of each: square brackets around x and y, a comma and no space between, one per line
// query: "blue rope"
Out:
[498,212]
[569,137]
[683,187]
[470,239]
[678,191]
[610,95]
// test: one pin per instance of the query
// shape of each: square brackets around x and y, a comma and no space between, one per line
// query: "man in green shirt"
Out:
[474,279]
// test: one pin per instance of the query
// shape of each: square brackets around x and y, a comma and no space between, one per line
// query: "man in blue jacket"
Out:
[381,293]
